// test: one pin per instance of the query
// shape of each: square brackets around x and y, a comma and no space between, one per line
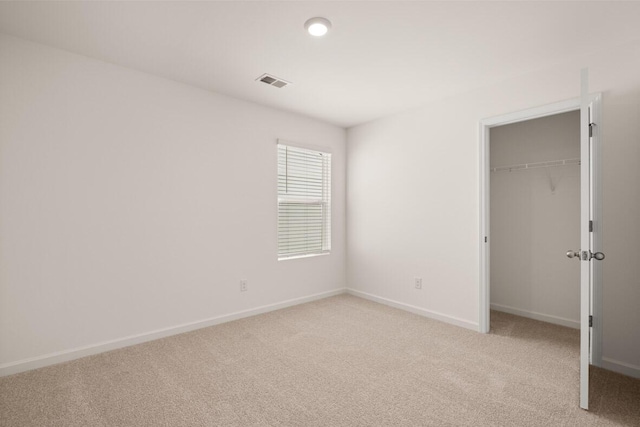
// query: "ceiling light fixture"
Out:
[317,27]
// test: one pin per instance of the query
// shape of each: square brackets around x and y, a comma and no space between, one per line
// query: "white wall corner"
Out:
[416,310]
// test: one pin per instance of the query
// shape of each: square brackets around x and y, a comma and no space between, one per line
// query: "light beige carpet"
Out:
[341,361]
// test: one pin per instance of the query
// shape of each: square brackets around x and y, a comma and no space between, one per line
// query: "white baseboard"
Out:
[575,324]
[76,353]
[416,310]
[621,367]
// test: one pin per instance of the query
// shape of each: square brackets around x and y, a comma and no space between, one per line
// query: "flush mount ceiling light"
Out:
[317,27]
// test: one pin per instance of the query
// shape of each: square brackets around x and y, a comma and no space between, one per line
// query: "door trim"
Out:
[534,113]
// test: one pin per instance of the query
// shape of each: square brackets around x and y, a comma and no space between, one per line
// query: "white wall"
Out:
[535,219]
[131,203]
[413,196]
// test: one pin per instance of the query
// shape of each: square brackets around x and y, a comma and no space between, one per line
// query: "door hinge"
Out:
[590,321]
[591,226]
[590,129]
[485,239]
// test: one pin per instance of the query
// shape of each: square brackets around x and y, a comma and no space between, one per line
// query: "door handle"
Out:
[573,254]
[576,254]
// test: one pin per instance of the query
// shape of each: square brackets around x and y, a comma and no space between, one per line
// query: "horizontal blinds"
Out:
[304,201]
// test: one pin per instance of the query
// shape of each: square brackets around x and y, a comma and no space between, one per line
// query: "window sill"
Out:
[302,256]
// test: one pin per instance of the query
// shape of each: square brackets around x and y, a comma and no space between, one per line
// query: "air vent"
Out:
[273,81]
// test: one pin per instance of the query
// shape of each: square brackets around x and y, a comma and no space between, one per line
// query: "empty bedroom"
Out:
[301,213]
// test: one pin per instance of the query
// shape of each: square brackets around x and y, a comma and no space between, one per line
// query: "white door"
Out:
[585,240]
[589,237]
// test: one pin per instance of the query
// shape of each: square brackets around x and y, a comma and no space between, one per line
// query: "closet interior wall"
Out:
[535,213]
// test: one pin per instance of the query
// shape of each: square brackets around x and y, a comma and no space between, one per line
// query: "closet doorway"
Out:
[534,183]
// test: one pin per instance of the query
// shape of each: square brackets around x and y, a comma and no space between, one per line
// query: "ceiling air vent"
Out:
[273,81]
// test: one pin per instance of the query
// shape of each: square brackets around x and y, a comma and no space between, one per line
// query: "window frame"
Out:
[323,201]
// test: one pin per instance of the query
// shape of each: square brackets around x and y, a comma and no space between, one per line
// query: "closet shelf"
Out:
[548,164]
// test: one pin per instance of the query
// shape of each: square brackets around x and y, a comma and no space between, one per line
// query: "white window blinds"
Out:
[304,202]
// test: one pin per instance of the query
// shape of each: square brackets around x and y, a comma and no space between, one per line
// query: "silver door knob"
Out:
[573,254]
[576,254]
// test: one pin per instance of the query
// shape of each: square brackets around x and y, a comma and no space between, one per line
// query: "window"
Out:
[304,202]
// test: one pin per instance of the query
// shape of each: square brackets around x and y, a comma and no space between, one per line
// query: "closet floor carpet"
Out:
[340,361]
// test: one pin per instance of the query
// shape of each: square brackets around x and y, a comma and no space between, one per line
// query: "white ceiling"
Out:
[380,57]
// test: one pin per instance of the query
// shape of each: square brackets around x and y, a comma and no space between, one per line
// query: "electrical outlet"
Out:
[243,286]
[418,282]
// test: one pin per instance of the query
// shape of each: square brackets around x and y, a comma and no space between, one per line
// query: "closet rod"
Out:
[536,165]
